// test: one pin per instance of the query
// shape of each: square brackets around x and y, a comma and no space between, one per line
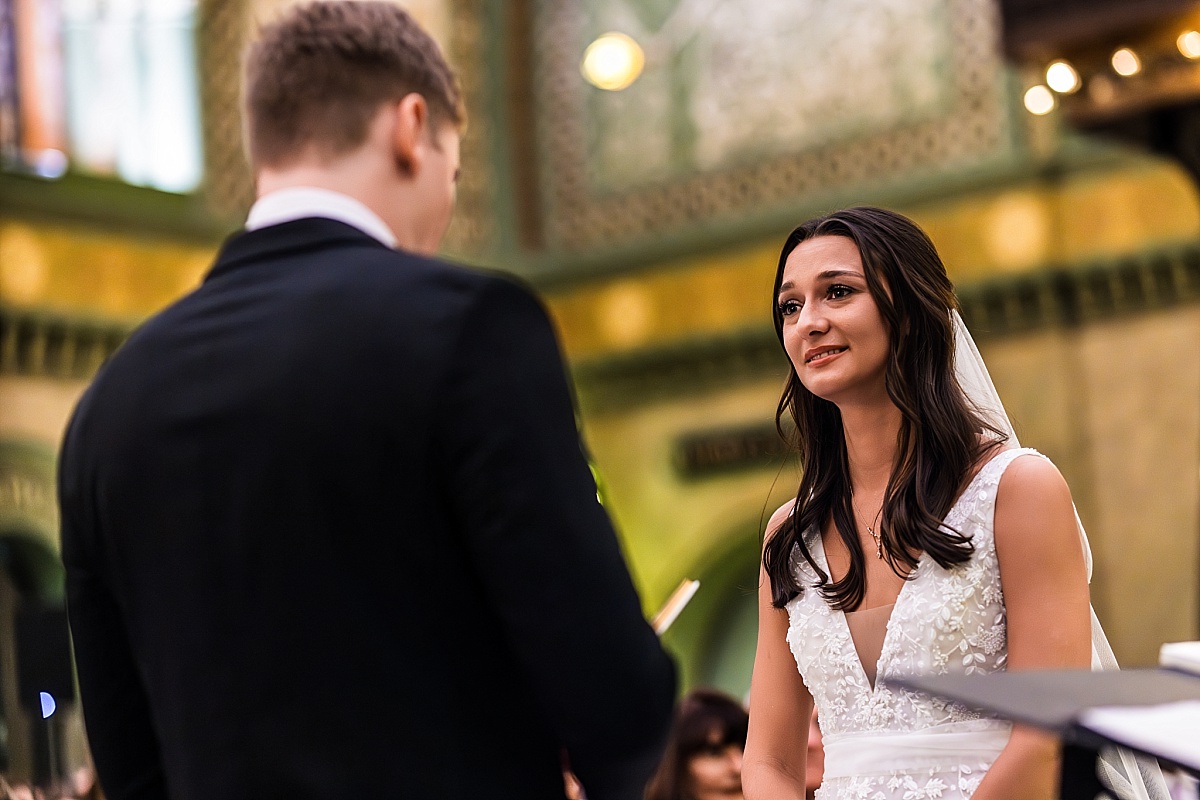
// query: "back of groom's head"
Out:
[316,78]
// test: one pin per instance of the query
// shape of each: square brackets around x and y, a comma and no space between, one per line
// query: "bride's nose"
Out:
[812,319]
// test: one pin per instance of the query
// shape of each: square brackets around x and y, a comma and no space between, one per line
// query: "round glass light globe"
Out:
[1125,62]
[1062,77]
[1039,100]
[612,62]
[1189,44]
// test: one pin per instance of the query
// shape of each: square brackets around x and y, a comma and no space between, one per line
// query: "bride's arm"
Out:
[780,706]
[1044,580]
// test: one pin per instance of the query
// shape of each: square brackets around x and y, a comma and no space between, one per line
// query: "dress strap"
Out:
[994,469]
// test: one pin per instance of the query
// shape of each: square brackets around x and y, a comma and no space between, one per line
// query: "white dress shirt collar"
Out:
[298,202]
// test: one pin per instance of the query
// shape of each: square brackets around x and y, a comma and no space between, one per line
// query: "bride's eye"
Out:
[788,307]
[839,290]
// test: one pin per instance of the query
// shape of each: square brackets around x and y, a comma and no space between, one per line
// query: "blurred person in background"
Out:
[703,760]
[327,525]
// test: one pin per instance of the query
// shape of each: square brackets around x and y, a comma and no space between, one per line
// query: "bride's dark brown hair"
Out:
[940,437]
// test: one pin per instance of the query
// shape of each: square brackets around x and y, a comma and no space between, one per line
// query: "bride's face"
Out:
[833,331]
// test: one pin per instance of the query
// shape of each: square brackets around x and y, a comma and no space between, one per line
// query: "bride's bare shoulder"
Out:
[778,518]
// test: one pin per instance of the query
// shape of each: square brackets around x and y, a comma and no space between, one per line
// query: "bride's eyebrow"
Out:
[840,273]
[826,275]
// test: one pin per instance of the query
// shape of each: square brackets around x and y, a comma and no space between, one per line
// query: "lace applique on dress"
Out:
[884,743]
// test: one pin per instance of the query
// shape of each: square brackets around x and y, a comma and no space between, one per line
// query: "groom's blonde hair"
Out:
[316,77]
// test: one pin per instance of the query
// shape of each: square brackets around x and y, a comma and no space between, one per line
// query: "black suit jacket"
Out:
[328,532]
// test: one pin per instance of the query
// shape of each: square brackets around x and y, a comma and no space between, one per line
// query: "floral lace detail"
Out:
[944,622]
[962,781]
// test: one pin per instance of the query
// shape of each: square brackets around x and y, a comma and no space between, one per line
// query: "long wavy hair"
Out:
[941,435]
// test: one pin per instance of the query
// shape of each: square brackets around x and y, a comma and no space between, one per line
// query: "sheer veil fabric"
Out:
[1132,778]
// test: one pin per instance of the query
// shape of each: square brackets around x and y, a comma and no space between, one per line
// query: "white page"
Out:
[1170,731]
[1181,655]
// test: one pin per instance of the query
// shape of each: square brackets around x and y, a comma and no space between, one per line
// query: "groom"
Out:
[327,527]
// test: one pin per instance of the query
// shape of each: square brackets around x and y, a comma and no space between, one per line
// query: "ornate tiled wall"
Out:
[746,107]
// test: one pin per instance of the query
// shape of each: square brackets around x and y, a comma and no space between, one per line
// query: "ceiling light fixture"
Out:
[612,62]
[1039,100]
[1062,77]
[1125,62]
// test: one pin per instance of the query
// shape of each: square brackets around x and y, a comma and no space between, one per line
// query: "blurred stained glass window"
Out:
[102,87]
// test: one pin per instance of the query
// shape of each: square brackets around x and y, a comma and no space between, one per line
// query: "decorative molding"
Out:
[43,344]
[1011,305]
[1085,294]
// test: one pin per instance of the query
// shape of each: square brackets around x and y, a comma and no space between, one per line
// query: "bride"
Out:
[921,539]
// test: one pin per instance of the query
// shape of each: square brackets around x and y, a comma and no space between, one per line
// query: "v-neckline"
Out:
[840,615]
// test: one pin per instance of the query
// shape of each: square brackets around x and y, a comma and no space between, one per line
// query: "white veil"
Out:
[1131,778]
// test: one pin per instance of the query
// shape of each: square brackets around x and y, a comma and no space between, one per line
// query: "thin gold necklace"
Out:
[871,528]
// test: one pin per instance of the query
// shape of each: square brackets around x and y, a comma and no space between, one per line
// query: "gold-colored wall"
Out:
[1136,203]
[1117,405]
[84,270]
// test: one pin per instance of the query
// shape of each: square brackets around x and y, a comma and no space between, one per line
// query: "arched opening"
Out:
[714,637]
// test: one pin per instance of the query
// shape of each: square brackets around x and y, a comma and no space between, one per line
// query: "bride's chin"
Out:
[822,390]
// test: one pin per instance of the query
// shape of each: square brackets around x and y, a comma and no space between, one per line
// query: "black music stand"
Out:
[1053,700]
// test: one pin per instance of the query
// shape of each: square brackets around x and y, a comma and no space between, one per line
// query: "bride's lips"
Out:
[819,355]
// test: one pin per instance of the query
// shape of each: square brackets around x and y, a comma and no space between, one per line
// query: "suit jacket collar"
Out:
[301,235]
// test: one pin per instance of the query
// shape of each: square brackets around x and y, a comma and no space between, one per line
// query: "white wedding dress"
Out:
[883,743]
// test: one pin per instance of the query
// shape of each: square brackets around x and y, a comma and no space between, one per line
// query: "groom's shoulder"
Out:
[470,277]
[473,286]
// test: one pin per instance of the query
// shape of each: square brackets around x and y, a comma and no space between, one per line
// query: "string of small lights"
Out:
[1157,64]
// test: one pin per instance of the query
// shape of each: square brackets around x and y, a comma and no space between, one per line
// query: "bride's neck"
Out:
[872,438]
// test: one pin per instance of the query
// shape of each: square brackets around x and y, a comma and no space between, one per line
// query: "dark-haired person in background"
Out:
[703,760]
[327,526]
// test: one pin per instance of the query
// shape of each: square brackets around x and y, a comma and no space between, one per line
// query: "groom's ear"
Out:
[410,130]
